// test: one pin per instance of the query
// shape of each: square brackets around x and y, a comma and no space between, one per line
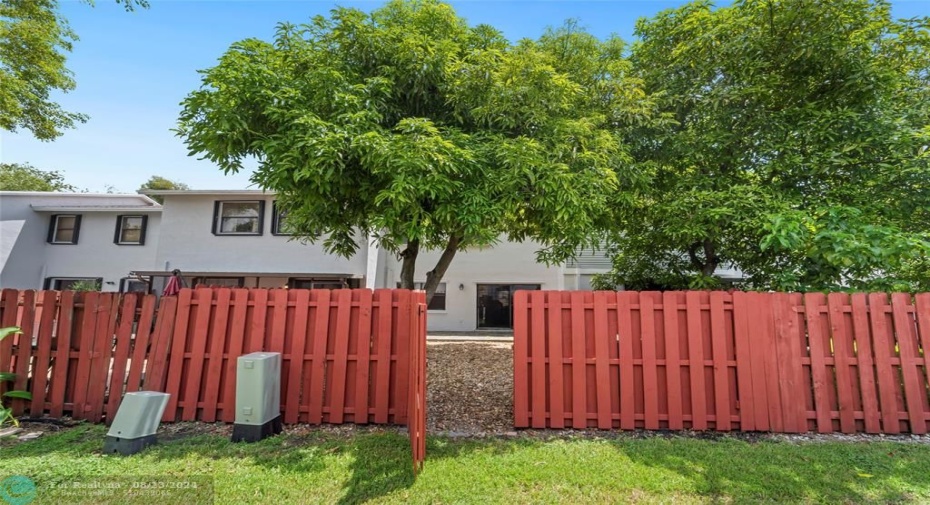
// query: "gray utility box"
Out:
[258,396]
[136,422]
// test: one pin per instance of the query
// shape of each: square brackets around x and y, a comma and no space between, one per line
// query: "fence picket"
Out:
[521,386]
[887,384]
[340,355]
[556,359]
[141,343]
[842,343]
[915,390]
[43,346]
[363,357]
[121,355]
[865,363]
[296,366]
[790,378]
[670,302]
[721,367]
[22,358]
[625,301]
[239,298]
[602,342]
[214,359]
[318,365]
[537,349]
[62,354]
[650,367]
[922,307]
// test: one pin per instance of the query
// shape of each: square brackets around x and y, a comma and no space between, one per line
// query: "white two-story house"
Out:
[238,238]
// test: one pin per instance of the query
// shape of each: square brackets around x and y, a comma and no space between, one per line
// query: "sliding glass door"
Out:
[495,304]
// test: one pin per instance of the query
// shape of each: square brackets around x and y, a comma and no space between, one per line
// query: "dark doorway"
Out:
[495,304]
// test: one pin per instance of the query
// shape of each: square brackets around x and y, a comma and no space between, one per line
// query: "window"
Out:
[295,283]
[133,285]
[238,218]
[74,283]
[439,297]
[130,230]
[279,221]
[224,282]
[64,229]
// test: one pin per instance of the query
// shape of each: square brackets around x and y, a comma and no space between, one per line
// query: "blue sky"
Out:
[133,69]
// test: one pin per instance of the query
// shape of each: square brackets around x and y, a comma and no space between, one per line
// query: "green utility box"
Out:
[136,422]
[258,396]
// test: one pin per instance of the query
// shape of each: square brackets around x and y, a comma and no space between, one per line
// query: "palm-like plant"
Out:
[6,413]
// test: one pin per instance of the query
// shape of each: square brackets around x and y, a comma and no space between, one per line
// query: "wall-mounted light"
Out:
[461,287]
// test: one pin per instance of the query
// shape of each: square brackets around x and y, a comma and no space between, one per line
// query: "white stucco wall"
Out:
[187,242]
[505,263]
[31,259]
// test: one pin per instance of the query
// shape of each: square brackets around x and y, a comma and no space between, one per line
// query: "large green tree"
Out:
[794,147]
[413,128]
[34,41]
[25,177]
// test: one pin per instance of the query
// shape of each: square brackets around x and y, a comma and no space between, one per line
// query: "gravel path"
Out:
[469,387]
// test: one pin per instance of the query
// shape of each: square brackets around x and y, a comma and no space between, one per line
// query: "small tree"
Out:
[158,182]
[6,413]
[421,132]
[25,177]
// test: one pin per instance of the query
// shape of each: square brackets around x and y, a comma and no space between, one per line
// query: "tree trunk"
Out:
[409,265]
[710,258]
[435,275]
[710,263]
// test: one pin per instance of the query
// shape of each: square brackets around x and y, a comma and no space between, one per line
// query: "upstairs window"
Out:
[74,283]
[238,217]
[64,229]
[130,230]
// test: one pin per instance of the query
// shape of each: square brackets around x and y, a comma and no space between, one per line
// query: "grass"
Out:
[320,467]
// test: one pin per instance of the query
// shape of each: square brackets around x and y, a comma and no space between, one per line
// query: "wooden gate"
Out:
[416,420]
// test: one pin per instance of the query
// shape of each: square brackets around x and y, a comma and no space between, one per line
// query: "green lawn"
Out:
[329,468]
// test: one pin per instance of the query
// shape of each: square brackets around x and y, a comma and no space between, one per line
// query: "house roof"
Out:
[194,192]
[297,275]
[85,202]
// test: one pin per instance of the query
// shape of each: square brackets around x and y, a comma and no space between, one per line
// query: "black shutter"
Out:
[216,216]
[77,228]
[119,226]
[52,224]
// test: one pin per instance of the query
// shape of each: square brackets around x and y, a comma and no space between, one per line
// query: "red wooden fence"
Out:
[347,355]
[714,360]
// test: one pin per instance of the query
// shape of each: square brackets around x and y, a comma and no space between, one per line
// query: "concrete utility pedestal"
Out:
[258,397]
[136,422]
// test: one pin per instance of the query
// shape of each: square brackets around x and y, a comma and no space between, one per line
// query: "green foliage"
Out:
[6,413]
[25,177]
[34,40]
[793,146]
[158,182]
[85,285]
[421,131]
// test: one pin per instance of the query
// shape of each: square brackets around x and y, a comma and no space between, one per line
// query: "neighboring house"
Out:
[53,240]
[239,238]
